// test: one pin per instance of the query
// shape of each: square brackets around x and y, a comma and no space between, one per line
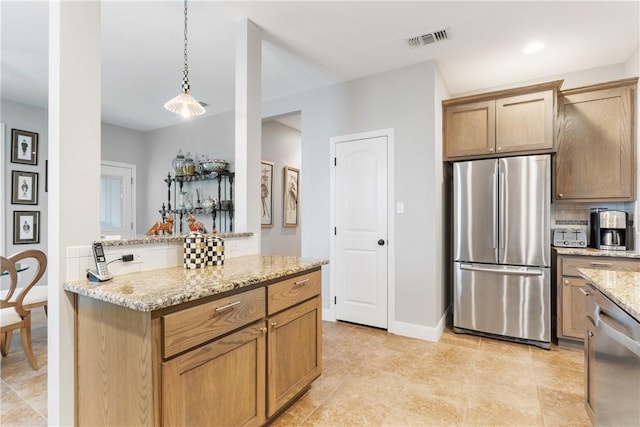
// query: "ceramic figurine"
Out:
[161,227]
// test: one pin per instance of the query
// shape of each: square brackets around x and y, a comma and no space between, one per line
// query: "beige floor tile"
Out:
[463,340]
[14,411]
[371,377]
[561,408]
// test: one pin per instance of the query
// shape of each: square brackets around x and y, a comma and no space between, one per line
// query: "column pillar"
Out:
[248,130]
[74,178]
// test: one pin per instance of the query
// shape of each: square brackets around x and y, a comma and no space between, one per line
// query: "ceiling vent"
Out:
[428,38]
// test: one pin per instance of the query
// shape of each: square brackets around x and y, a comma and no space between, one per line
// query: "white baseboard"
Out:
[327,315]
[421,332]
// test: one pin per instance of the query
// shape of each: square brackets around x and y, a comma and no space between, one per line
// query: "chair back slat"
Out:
[9,267]
[41,261]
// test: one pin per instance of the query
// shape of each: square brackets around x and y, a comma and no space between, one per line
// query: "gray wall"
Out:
[32,119]
[213,136]
[404,100]
[128,146]
[281,145]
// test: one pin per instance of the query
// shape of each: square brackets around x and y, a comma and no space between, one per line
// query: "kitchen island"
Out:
[226,345]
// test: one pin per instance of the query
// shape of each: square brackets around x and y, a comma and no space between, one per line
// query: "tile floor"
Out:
[374,378]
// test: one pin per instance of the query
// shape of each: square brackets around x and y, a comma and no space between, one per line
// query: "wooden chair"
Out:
[13,315]
[38,296]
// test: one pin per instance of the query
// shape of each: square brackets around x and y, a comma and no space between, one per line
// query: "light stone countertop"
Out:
[621,287]
[143,240]
[597,252]
[157,289]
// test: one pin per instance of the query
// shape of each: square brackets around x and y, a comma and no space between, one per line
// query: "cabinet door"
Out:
[470,129]
[525,122]
[573,308]
[294,352]
[596,153]
[219,384]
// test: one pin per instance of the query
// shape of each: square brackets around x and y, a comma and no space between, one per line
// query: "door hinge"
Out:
[335,231]
[335,161]
[131,180]
[335,300]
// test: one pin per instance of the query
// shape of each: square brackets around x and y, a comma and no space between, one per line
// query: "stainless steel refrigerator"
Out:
[502,254]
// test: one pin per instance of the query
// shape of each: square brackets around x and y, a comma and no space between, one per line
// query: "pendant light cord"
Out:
[185,80]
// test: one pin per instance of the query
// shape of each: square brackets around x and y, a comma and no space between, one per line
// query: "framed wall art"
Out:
[266,193]
[24,147]
[24,188]
[26,227]
[291,196]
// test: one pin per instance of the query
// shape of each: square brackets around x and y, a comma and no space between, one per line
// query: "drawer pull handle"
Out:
[584,292]
[274,324]
[263,330]
[601,264]
[225,307]
[567,282]
[301,283]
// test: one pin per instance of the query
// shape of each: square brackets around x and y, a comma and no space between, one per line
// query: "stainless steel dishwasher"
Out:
[612,363]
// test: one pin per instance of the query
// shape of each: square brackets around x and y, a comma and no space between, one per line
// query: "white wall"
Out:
[32,119]
[281,145]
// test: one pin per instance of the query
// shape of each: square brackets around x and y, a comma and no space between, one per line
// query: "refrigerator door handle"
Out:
[494,212]
[520,271]
[501,210]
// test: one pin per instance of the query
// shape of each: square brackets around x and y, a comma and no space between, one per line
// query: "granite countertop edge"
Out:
[621,287]
[157,289]
[597,252]
[143,240]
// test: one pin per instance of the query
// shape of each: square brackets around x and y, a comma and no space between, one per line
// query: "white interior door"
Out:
[117,199]
[361,231]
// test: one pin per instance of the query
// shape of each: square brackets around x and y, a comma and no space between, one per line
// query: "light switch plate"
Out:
[400,207]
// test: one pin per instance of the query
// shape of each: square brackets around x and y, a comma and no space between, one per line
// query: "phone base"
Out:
[94,276]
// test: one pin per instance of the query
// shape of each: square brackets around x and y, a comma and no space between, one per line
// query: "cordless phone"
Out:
[102,274]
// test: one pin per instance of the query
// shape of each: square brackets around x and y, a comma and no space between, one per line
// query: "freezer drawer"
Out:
[511,301]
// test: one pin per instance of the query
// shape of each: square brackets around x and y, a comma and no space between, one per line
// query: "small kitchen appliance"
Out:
[609,230]
[569,238]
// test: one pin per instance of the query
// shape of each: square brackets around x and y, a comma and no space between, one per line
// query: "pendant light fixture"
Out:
[184,104]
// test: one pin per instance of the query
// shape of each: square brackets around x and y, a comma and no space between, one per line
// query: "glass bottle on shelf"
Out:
[179,164]
[189,165]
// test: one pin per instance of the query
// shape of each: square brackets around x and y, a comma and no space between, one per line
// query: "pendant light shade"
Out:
[184,104]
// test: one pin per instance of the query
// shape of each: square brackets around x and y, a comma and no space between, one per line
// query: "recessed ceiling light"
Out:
[533,47]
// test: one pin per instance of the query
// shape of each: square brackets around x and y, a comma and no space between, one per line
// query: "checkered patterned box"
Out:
[215,251]
[195,251]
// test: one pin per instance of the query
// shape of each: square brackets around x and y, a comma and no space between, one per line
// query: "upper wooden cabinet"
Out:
[595,160]
[500,123]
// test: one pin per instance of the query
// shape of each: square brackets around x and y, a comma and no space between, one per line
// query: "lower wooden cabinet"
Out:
[221,383]
[295,352]
[571,313]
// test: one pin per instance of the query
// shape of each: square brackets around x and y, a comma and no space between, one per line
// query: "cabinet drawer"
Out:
[193,326]
[292,291]
[570,266]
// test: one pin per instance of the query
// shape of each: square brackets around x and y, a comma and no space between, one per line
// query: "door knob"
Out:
[381,242]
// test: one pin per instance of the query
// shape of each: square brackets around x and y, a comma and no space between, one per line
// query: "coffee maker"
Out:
[610,230]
